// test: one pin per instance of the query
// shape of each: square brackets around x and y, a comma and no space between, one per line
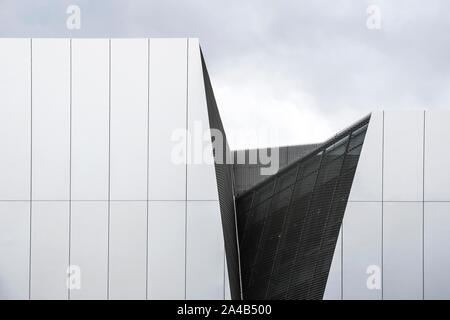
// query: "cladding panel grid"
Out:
[77,112]
[290,232]
[15,118]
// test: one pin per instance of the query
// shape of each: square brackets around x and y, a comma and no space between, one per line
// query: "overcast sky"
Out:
[303,69]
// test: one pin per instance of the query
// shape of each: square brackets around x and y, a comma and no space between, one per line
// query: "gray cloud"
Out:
[309,68]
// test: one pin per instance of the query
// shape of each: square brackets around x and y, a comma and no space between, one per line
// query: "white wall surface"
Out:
[403,156]
[128,250]
[168,90]
[361,248]
[90,119]
[402,250]
[86,129]
[49,249]
[89,248]
[129,119]
[51,119]
[205,267]
[14,249]
[15,118]
[166,247]
[437,250]
[437,155]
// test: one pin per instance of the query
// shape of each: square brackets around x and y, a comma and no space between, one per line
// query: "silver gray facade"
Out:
[87,179]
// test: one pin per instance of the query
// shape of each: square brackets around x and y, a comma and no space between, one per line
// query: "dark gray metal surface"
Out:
[289,223]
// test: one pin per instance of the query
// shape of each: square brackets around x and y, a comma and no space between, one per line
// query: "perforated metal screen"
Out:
[288,224]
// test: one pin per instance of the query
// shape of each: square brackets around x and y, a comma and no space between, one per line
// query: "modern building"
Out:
[117,182]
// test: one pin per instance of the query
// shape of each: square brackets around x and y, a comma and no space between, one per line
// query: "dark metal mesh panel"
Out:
[289,223]
[224,176]
[247,172]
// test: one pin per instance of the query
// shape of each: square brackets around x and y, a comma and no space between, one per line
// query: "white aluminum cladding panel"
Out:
[437,250]
[129,119]
[167,117]
[14,249]
[403,156]
[205,261]
[402,250]
[50,127]
[89,248]
[128,250]
[49,250]
[15,118]
[437,156]
[166,224]
[87,174]
[90,119]
[361,256]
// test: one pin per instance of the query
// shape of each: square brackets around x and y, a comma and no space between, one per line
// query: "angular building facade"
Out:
[117,182]
[289,224]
